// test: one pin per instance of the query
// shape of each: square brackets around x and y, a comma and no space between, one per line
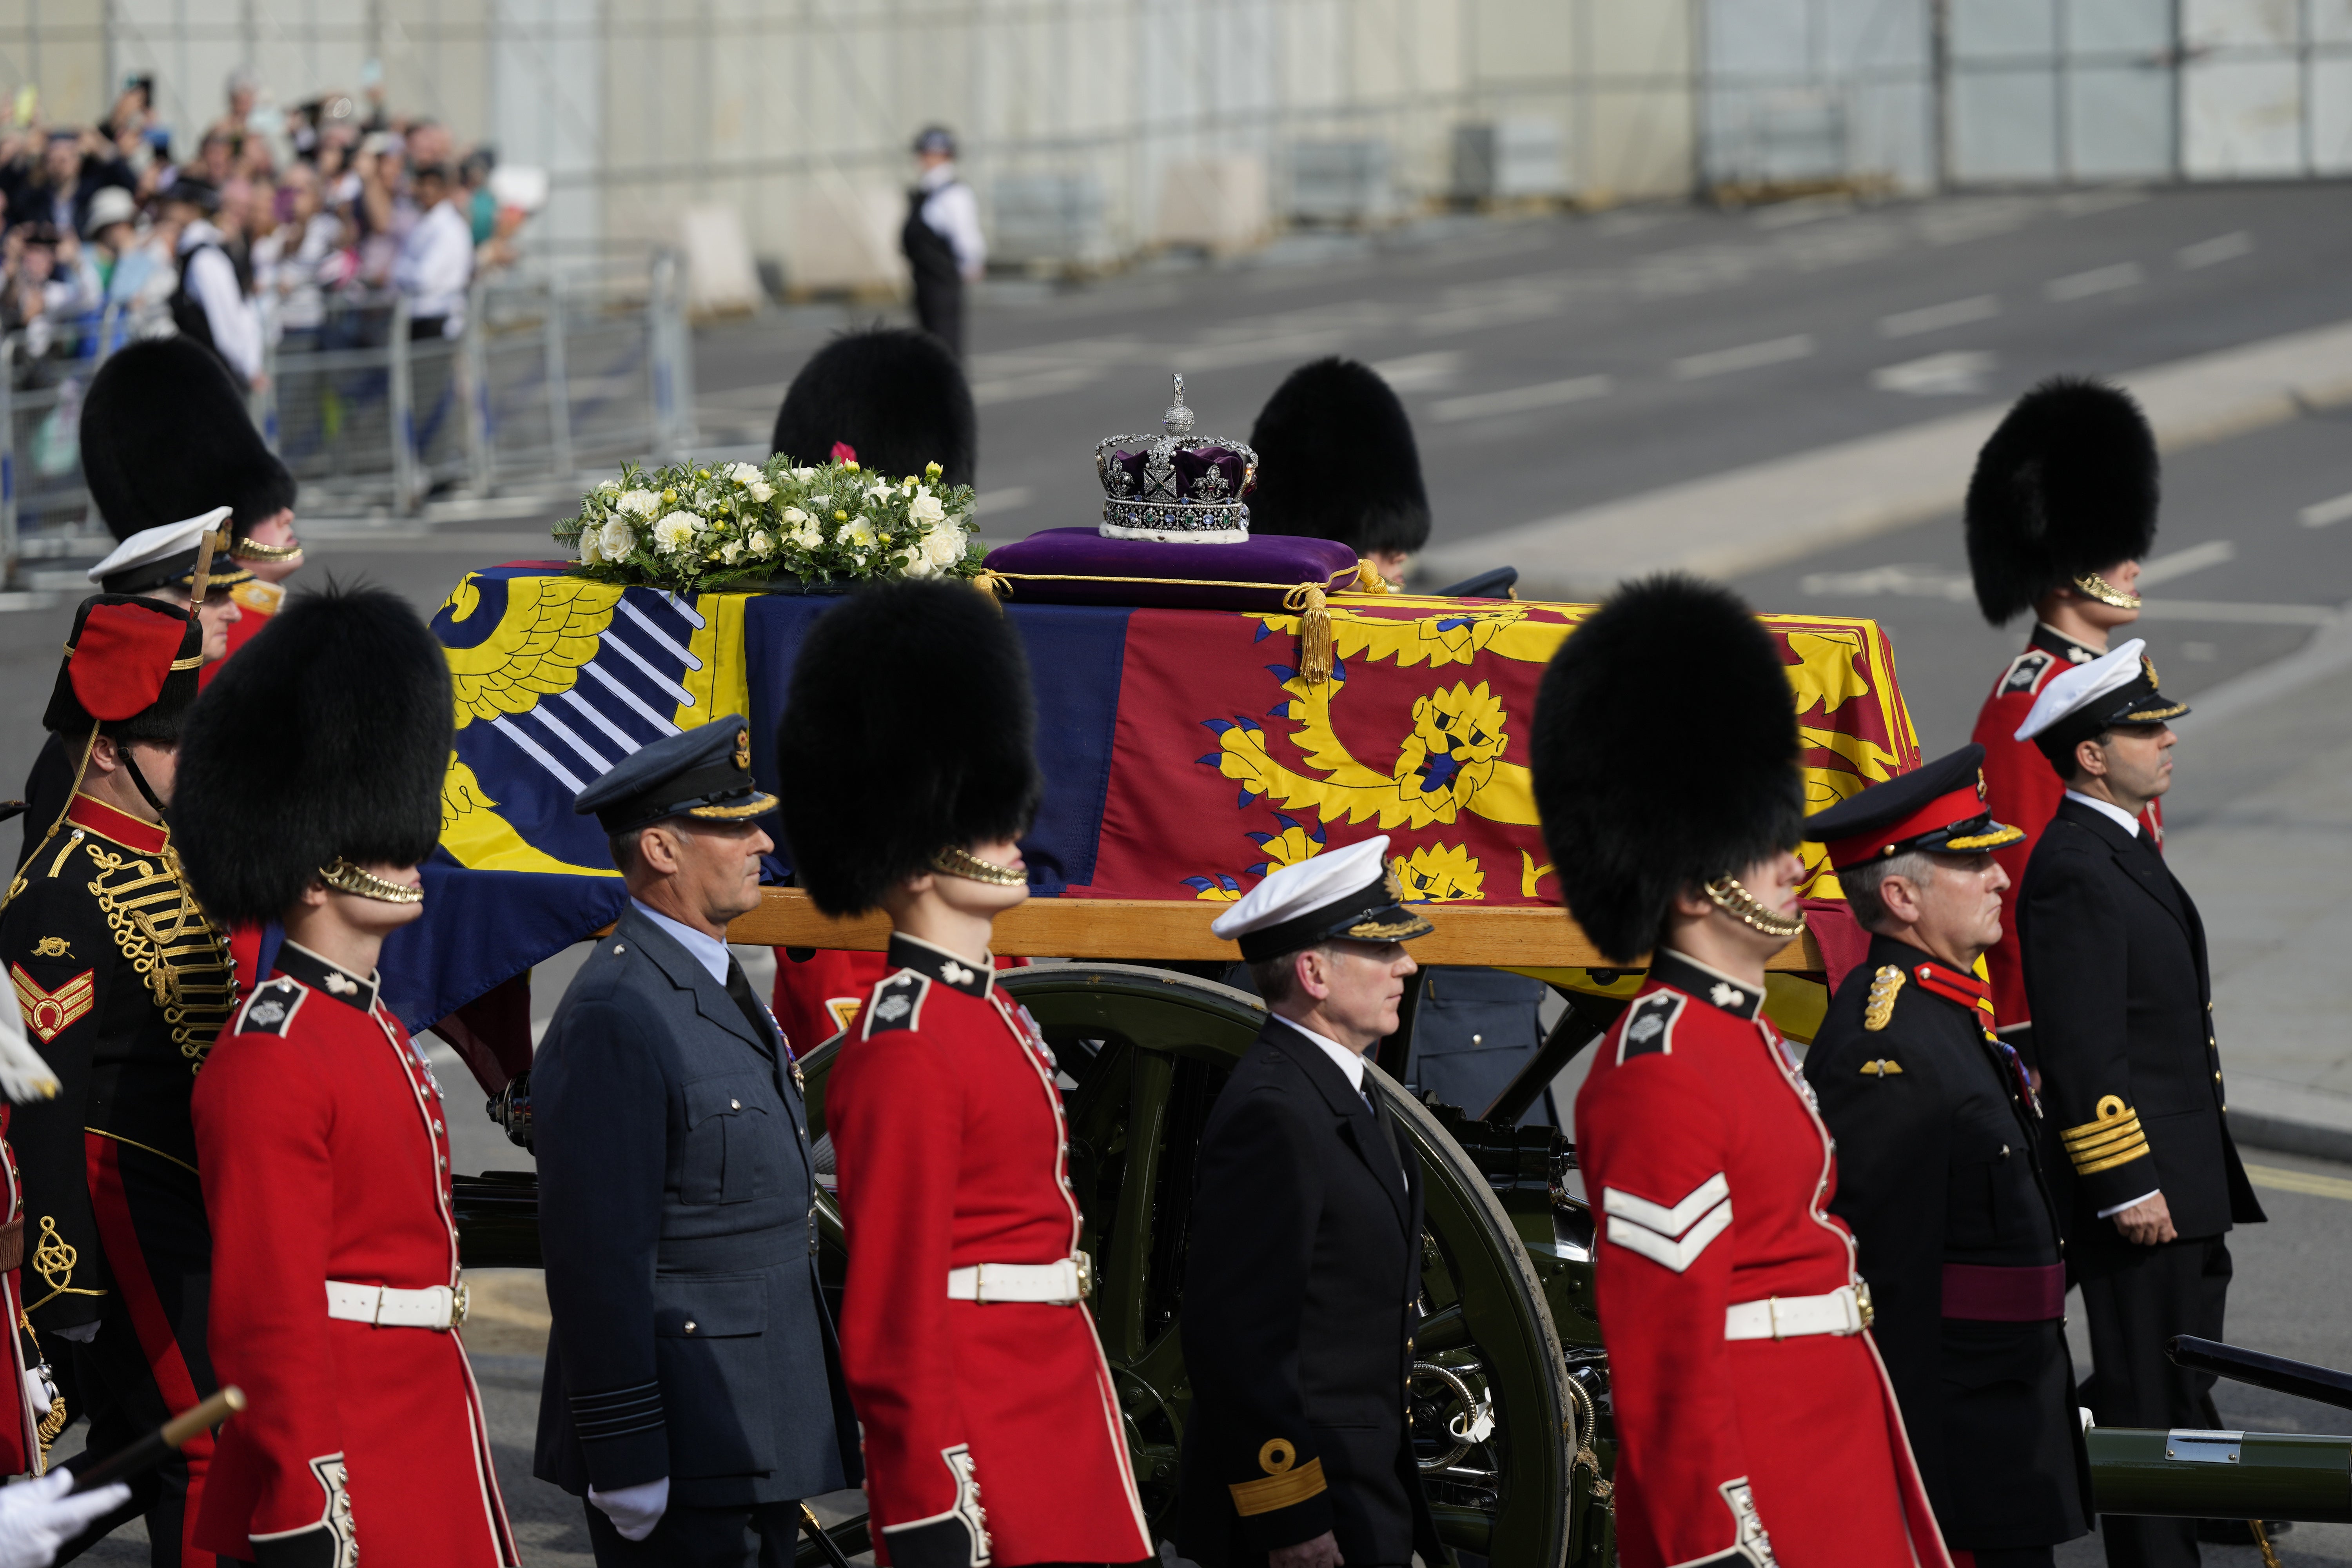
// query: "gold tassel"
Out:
[1369,579]
[1314,632]
[996,586]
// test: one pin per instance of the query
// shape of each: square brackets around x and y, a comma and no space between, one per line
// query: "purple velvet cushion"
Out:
[1083,568]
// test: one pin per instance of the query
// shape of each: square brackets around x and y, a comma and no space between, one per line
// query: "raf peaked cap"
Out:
[705,772]
[1342,895]
[1939,807]
[2117,687]
[165,556]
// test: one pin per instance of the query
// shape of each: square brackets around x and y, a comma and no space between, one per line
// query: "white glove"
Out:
[37,1516]
[24,1076]
[40,1390]
[80,1334]
[633,1511]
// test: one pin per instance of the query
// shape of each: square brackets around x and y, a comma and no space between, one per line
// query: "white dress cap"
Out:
[2081,685]
[155,543]
[1295,890]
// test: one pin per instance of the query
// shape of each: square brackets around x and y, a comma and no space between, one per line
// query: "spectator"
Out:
[244,90]
[308,261]
[436,259]
[480,204]
[210,304]
[75,165]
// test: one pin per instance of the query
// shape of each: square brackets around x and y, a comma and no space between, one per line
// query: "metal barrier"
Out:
[590,367]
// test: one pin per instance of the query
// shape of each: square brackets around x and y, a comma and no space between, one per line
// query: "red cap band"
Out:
[123,657]
[1963,804]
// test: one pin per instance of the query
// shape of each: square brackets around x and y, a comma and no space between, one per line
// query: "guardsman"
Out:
[124,983]
[1303,1267]
[2150,1183]
[992,1430]
[1939,1168]
[2061,508]
[694,1388]
[1755,1423]
[323,1137]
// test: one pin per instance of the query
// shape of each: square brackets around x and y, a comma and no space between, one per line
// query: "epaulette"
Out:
[270,1009]
[1650,1025]
[1883,987]
[2025,672]
[898,1004]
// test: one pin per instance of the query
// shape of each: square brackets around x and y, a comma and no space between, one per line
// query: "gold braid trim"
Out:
[1285,1489]
[53,1260]
[168,940]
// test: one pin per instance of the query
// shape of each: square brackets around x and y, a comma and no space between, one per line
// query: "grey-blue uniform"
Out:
[677,1214]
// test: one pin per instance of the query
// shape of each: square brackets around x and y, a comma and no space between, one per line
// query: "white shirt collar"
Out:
[937,176]
[1347,1062]
[708,950]
[2123,819]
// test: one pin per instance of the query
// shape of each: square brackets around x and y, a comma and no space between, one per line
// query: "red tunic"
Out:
[19,1439]
[326,1157]
[2023,790]
[1693,1115]
[949,1140]
[820,995]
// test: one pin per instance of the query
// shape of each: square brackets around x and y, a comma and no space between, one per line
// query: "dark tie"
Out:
[739,987]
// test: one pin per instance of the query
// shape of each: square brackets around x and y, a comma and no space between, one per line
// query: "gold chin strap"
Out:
[2097,587]
[345,877]
[957,861]
[253,549]
[1727,894]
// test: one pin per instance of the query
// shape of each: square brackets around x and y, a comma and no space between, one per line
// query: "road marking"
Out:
[2220,247]
[1420,373]
[1909,581]
[1521,399]
[1044,384]
[1959,373]
[2326,512]
[1935,318]
[2229,611]
[2098,281]
[1747,356]
[2307,1181]
[1011,498]
[2181,563]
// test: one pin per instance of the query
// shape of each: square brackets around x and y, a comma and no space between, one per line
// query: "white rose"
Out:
[609,488]
[588,555]
[614,540]
[731,552]
[676,531]
[639,504]
[762,492]
[860,531]
[919,567]
[878,493]
[820,503]
[926,509]
[795,516]
[808,537]
[761,544]
[805,475]
[943,546]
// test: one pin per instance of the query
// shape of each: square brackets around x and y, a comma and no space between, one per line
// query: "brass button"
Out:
[690,1325]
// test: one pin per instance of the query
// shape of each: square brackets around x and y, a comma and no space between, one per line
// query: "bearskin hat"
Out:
[895,395]
[129,668]
[328,735]
[1336,460]
[165,436]
[910,727]
[2066,485]
[1664,755]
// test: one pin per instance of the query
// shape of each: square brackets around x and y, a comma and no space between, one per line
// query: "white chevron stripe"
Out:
[1675,1255]
[1668,1222]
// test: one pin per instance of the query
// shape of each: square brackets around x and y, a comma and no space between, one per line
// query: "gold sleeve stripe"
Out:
[2115,1139]
[2107,1141]
[1286,1491]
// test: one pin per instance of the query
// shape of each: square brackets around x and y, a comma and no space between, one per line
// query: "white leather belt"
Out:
[438,1307]
[1064,1283]
[1843,1310]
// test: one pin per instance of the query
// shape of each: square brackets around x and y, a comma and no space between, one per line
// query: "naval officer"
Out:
[694,1391]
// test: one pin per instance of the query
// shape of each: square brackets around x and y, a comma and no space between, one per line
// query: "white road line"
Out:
[1011,498]
[1935,318]
[1520,399]
[2181,562]
[1420,373]
[2325,512]
[2242,614]
[1958,373]
[1909,581]
[2220,247]
[2098,281]
[1747,356]
[1044,384]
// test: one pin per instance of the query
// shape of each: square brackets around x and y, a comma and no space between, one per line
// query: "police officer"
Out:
[1939,1168]
[2061,508]
[2122,1017]
[941,237]
[693,1389]
[1304,1262]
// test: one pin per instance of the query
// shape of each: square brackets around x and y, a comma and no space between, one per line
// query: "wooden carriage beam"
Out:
[1149,930]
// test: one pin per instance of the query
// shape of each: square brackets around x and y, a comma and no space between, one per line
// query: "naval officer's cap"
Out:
[164,556]
[1937,807]
[2116,689]
[1341,895]
[705,772]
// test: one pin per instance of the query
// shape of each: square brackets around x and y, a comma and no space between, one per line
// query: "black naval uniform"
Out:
[1939,1176]
[124,984]
[1299,1307]
[2123,1016]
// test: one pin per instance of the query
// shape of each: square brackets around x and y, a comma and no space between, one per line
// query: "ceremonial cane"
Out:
[161,1444]
[824,1543]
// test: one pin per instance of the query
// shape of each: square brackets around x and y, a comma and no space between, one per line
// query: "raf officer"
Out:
[1939,1168]
[694,1390]
[2122,1021]
[1305,1265]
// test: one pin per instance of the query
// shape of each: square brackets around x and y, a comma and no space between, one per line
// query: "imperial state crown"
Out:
[1174,488]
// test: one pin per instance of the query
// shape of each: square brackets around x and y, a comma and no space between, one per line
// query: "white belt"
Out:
[1843,1310]
[1062,1283]
[438,1307]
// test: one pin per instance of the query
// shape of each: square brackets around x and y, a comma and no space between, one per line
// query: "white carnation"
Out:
[639,504]
[761,543]
[615,540]
[676,531]
[926,509]
[878,491]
